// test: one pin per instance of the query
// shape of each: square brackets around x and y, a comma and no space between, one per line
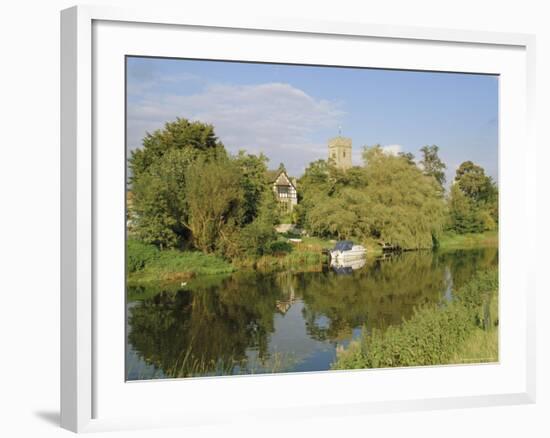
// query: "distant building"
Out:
[339,152]
[284,188]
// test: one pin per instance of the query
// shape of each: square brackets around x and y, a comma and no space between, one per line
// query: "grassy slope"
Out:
[178,265]
[459,241]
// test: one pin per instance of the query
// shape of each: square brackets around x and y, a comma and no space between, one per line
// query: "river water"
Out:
[250,322]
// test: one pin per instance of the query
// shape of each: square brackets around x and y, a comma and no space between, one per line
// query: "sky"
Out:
[289,112]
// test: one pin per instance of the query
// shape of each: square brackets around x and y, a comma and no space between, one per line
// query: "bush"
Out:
[139,254]
[195,262]
[253,240]
[175,265]
[280,247]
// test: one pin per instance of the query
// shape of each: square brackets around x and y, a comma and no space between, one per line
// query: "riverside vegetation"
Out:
[205,209]
[464,328]
[251,321]
[195,211]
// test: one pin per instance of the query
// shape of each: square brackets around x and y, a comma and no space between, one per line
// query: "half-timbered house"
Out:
[284,188]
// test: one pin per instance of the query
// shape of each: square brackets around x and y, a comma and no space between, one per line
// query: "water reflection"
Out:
[255,323]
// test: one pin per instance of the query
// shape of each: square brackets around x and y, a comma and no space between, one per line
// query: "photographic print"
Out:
[300,218]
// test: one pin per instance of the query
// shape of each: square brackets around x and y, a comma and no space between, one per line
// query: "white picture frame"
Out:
[93,392]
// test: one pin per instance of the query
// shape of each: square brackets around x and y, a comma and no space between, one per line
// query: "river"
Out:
[251,322]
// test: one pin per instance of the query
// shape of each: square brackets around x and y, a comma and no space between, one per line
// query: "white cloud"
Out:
[275,118]
[392,149]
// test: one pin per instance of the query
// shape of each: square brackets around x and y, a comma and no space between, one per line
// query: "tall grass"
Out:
[480,346]
[459,241]
[434,335]
[146,263]
[302,257]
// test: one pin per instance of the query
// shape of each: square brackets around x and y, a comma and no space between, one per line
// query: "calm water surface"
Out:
[249,322]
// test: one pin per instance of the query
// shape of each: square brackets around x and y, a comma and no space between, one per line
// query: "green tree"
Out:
[473,200]
[343,216]
[474,183]
[214,201]
[254,184]
[406,208]
[188,192]
[388,199]
[159,205]
[463,213]
[432,164]
[179,134]
[409,156]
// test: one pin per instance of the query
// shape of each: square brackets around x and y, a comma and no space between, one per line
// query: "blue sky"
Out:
[290,112]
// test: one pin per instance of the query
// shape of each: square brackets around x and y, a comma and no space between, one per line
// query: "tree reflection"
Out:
[208,327]
[206,330]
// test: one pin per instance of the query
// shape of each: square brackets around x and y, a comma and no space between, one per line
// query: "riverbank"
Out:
[145,263]
[464,241]
[308,254]
[463,331]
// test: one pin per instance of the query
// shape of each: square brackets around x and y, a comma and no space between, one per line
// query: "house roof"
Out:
[280,177]
[272,175]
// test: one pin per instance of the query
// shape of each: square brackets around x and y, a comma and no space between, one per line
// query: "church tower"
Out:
[339,152]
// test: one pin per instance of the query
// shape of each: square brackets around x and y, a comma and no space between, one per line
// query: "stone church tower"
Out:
[339,152]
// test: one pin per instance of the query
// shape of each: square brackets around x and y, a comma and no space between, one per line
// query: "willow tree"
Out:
[214,201]
[389,199]
[406,209]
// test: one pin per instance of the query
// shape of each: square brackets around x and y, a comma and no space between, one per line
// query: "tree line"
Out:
[188,192]
[395,200]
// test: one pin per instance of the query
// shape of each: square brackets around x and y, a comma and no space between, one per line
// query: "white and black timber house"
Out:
[284,188]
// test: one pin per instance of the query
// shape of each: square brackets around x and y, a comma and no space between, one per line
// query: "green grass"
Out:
[459,241]
[480,346]
[317,242]
[301,258]
[172,265]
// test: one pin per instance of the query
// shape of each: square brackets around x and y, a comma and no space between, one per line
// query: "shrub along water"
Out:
[434,335]
[146,263]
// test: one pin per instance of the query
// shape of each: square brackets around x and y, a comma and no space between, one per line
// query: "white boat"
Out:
[348,266]
[345,251]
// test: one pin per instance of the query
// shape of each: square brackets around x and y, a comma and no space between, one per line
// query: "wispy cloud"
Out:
[144,83]
[275,118]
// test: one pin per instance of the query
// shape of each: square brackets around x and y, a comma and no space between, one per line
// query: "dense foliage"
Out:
[473,200]
[188,193]
[388,199]
[146,263]
[139,254]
